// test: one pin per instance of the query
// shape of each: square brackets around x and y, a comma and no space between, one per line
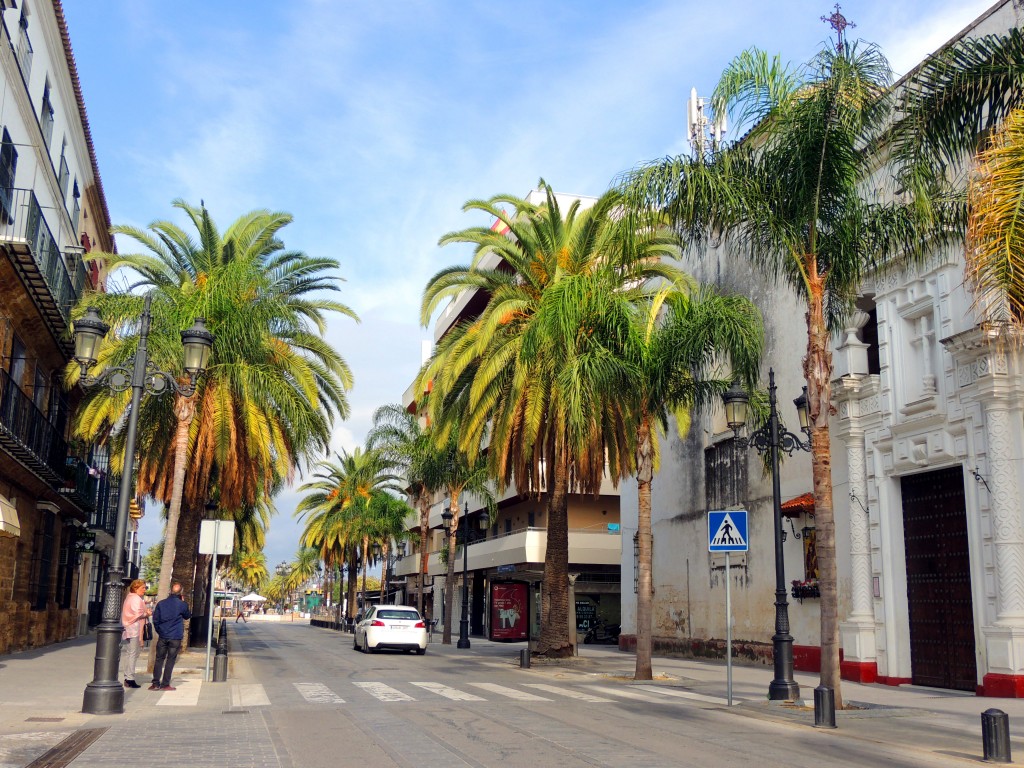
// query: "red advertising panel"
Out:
[510,611]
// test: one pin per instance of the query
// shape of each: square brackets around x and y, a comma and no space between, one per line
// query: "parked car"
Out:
[390,626]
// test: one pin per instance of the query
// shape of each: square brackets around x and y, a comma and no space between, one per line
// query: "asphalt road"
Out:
[324,704]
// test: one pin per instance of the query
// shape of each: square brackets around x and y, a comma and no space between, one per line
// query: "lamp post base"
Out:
[103,699]
[783,687]
[105,694]
[463,634]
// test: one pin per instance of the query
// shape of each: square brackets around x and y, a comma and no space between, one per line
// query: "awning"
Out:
[252,597]
[9,524]
[801,505]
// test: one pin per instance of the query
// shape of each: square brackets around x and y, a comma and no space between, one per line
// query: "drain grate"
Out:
[44,719]
[235,712]
[70,748]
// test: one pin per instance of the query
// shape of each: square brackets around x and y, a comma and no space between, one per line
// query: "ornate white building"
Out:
[927,473]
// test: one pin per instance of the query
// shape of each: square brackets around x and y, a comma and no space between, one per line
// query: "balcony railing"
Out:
[81,484]
[25,429]
[44,267]
[104,516]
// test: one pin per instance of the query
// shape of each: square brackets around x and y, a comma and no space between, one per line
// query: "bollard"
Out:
[220,661]
[524,658]
[995,736]
[824,707]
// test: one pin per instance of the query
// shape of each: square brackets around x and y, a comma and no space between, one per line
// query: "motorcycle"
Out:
[602,632]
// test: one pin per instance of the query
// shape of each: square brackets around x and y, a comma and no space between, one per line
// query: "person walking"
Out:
[241,615]
[134,615]
[169,622]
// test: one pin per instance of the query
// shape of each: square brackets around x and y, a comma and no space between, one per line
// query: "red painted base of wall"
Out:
[859,671]
[807,658]
[894,680]
[1005,686]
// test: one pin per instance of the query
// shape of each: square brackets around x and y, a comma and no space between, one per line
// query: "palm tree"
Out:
[791,197]
[965,91]
[333,506]
[407,449]
[273,387]
[248,568]
[500,372]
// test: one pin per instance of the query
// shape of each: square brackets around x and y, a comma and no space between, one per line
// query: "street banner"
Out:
[510,611]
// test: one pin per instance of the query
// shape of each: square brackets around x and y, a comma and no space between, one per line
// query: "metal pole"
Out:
[464,621]
[105,694]
[728,630]
[209,608]
[783,687]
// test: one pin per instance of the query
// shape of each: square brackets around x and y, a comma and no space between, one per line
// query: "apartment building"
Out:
[505,557]
[56,516]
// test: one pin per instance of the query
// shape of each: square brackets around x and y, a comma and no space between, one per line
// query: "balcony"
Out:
[81,484]
[104,515]
[586,547]
[55,280]
[26,433]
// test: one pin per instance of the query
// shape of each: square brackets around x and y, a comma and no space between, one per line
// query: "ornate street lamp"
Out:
[773,437]
[104,695]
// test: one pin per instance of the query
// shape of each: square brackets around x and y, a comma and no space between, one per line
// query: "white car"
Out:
[391,626]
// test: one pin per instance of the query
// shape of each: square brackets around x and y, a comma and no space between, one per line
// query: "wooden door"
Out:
[939,580]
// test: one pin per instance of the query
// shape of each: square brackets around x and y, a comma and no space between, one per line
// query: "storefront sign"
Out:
[510,611]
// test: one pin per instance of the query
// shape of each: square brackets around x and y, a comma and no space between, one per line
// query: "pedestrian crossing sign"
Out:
[727,530]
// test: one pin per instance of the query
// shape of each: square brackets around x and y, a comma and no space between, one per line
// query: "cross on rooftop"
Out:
[839,23]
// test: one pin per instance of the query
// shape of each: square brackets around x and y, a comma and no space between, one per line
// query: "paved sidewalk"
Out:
[41,698]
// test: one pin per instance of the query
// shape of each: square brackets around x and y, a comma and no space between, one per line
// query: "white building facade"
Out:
[927,474]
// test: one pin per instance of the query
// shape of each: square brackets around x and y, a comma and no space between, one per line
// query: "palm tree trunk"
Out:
[366,566]
[818,372]
[645,541]
[184,410]
[554,628]
[185,555]
[424,505]
[449,582]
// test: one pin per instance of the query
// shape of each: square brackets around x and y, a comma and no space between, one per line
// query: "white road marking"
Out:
[511,693]
[186,695]
[627,693]
[384,692]
[683,694]
[570,692]
[318,693]
[449,693]
[249,695]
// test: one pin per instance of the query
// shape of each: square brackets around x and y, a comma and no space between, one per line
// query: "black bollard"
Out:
[995,736]
[220,661]
[824,707]
[524,658]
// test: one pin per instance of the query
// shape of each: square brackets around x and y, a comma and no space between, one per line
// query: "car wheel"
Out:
[420,651]
[355,642]
[366,644]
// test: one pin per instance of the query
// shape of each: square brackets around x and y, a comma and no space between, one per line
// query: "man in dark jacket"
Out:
[169,623]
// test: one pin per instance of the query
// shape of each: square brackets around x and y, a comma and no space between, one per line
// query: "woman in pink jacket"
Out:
[134,615]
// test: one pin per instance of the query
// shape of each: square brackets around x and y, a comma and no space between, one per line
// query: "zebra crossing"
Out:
[250,695]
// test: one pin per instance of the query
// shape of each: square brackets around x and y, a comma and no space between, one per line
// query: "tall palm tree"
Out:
[792,197]
[966,91]
[273,387]
[248,568]
[500,373]
[406,447]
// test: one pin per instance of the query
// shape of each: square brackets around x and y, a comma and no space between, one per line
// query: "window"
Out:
[508,525]
[23,50]
[46,116]
[18,362]
[39,389]
[42,560]
[76,205]
[64,175]
[531,519]
[66,567]
[8,168]
[725,474]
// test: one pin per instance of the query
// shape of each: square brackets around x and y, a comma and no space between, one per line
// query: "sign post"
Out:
[727,533]
[216,537]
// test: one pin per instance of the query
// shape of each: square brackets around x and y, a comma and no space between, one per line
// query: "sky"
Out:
[372,123]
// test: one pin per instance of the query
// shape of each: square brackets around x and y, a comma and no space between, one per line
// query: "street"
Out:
[301,696]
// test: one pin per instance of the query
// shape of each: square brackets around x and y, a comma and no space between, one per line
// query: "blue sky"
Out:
[373,122]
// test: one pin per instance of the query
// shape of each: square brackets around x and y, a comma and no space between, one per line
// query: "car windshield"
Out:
[403,615]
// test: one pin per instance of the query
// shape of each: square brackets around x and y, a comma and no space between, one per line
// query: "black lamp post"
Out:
[773,437]
[104,695]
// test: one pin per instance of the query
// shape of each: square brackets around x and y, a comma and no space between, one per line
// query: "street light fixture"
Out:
[772,438]
[105,695]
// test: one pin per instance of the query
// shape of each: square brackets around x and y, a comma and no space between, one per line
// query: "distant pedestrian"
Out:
[241,615]
[134,617]
[169,622]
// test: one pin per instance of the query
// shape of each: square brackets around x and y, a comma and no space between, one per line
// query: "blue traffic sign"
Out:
[727,530]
